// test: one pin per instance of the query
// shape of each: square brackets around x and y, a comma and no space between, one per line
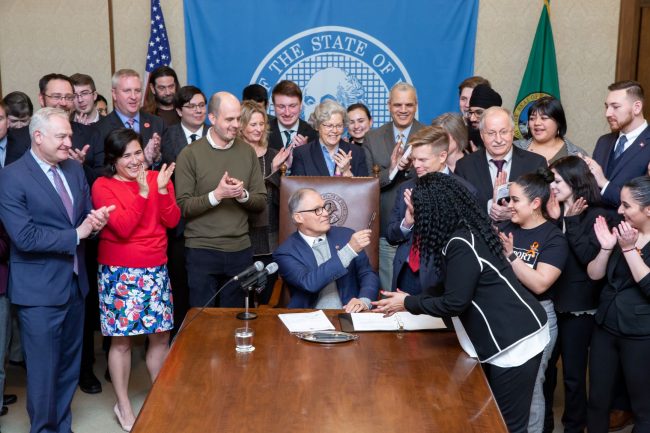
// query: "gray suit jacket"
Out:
[174,141]
[378,145]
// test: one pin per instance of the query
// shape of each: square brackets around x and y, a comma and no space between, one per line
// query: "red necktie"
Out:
[414,258]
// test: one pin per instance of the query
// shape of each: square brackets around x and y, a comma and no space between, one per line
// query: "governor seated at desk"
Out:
[325,266]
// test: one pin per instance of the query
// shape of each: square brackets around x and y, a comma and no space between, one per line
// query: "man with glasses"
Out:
[85,97]
[218,182]
[191,105]
[323,265]
[288,129]
[482,98]
[490,168]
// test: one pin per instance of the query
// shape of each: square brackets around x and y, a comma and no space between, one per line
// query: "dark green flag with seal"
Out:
[540,78]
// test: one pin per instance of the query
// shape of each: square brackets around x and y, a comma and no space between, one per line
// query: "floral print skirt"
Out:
[134,301]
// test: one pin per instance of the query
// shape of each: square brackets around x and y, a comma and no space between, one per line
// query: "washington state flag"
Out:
[540,78]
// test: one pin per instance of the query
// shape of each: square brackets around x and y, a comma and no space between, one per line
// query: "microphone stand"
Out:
[255,286]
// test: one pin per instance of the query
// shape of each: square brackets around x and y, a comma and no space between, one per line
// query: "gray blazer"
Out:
[378,145]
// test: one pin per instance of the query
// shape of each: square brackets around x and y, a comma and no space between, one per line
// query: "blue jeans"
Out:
[537,406]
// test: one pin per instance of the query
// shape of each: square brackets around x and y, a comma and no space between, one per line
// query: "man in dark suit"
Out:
[325,266]
[288,129]
[498,162]
[624,153]
[57,91]
[430,146]
[386,147]
[45,207]
[191,105]
[127,95]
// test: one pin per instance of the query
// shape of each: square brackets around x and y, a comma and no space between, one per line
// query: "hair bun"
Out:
[546,174]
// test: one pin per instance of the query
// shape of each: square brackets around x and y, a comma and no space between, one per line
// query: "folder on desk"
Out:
[402,321]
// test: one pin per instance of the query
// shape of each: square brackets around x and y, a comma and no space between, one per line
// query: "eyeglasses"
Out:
[102,111]
[195,107]
[84,94]
[504,133]
[329,126]
[477,113]
[327,207]
[56,97]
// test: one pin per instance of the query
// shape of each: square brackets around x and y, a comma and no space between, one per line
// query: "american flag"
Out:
[158,53]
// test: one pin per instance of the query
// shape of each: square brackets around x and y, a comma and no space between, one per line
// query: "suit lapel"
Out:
[43,182]
[146,130]
[305,250]
[319,159]
[631,152]
[611,140]
[483,174]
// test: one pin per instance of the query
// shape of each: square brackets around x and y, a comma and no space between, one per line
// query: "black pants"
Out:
[513,390]
[575,337]
[91,320]
[610,355]
[208,270]
[177,276]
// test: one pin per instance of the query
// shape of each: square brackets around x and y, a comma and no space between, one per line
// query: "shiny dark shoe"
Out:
[4,410]
[9,399]
[619,419]
[89,383]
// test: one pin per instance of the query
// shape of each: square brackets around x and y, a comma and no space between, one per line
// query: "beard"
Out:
[164,100]
[474,135]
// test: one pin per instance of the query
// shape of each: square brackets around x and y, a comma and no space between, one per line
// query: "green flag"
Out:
[540,78]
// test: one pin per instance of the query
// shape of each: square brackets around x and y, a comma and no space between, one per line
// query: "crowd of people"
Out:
[532,250]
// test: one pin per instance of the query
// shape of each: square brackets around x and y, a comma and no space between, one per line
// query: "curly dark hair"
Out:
[441,206]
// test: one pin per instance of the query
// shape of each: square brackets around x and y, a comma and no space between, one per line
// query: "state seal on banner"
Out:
[521,113]
[334,62]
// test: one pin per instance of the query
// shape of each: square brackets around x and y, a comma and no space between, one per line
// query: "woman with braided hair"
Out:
[495,318]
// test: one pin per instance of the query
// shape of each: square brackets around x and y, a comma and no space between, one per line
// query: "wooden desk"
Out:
[383,382]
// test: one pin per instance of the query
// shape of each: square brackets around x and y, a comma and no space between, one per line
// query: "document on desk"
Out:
[402,321]
[305,322]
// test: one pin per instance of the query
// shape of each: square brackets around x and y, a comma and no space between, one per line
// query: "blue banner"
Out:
[348,50]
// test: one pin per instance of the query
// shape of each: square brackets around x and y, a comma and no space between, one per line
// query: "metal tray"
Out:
[327,337]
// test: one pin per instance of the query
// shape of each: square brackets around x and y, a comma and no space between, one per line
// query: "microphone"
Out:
[258,277]
[255,267]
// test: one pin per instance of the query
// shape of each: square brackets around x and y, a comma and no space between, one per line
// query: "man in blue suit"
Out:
[430,146]
[45,207]
[325,266]
[624,153]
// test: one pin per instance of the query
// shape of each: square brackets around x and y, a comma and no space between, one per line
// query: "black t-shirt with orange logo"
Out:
[543,244]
